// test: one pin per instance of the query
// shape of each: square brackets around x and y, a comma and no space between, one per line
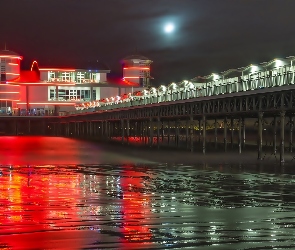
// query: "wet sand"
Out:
[174,156]
[75,194]
[56,150]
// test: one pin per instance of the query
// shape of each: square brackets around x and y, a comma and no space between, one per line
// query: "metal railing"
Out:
[213,88]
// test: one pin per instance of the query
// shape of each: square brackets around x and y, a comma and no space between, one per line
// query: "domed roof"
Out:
[135,57]
[6,52]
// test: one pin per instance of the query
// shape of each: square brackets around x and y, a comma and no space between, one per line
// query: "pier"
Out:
[257,111]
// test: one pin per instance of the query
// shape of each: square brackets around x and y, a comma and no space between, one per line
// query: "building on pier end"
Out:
[43,90]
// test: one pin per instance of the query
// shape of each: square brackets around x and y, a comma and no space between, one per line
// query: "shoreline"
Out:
[181,156]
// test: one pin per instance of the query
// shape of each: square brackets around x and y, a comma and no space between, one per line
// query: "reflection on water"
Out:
[146,207]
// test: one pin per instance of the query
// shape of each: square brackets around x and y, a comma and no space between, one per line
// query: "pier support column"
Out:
[110,126]
[240,135]
[232,133]
[127,131]
[225,134]
[244,132]
[29,126]
[260,140]
[200,131]
[87,129]
[147,132]
[204,134]
[102,130]
[275,135]
[122,131]
[291,134]
[215,133]
[110,129]
[151,132]
[91,129]
[162,132]
[107,126]
[143,132]
[168,133]
[187,126]
[176,133]
[282,146]
[192,133]
[15,127]
[79,128]
[158,131]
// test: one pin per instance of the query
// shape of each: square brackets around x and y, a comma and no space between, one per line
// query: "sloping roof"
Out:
[135,57]
[6,52]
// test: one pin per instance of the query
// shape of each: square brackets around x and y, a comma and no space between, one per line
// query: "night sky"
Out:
[209,35]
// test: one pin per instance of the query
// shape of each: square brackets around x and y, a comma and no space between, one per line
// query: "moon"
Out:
[169,27]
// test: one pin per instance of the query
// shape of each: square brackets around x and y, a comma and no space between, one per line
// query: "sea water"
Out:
[138,205]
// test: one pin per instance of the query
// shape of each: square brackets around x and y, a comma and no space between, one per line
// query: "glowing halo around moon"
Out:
[169,27]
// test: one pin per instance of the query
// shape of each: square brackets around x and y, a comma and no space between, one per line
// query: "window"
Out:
[65,77]
[80,77]
[51,76]
[52,94]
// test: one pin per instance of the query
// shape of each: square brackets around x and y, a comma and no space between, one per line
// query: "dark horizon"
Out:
[209,36]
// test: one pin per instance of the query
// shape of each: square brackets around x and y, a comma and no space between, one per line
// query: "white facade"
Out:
[60,89]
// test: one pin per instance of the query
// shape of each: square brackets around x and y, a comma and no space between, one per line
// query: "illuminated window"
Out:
[94,94]
[65,77]
[80,77]
[52,94]
[51,76]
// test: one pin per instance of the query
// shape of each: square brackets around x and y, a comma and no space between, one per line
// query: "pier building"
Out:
[43,90]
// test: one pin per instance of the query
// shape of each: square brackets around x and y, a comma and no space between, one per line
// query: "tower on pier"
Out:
[136,69]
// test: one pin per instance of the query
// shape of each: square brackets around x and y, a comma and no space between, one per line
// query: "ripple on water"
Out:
[146,207]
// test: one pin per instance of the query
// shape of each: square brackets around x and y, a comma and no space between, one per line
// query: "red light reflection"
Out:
[136,211]
[35,206]
[38,150]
